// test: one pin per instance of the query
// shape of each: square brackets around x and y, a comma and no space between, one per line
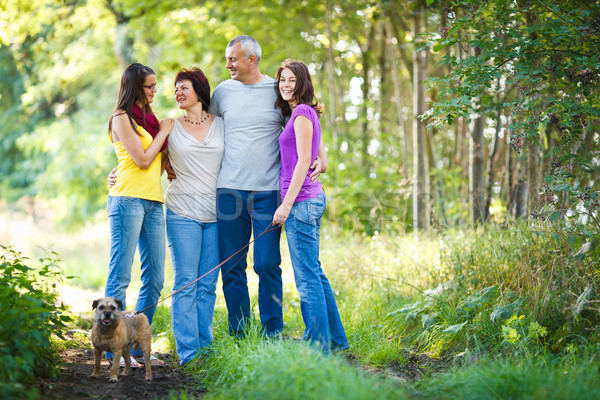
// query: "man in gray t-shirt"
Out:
[248,186]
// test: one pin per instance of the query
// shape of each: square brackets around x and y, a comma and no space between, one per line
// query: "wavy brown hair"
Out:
[304,92]
[131,91]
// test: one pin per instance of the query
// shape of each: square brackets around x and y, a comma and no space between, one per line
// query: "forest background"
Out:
[471,124]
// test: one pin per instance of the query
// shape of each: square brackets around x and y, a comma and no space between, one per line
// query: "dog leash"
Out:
[269,228]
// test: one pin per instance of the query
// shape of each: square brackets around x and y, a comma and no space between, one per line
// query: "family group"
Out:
[246,158]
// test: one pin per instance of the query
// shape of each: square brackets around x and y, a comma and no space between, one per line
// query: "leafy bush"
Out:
[29,317]
[523,289]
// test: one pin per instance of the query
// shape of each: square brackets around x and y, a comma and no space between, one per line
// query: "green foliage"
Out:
[375,202]
[369,342]
[515,331]
[14,167]
[29,316]
[510,289]
[62,61]
[537,64]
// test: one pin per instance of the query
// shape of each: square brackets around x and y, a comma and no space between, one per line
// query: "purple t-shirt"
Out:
[289,154]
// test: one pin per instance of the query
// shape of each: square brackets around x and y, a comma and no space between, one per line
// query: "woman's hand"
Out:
[112,177]
[281,214]
[142,157]
[166,125]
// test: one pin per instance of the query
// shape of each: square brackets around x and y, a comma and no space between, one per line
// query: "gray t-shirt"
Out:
[252,126]
[194,193]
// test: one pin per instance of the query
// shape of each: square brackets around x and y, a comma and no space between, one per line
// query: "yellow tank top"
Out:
[133,181]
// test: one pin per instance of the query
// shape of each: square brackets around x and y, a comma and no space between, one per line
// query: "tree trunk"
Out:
[461,133]
[476,171]
[509,179]
[518,185]
[533,161]
[123,46]
[491,163]
[476,164]
[420,209]
[331,75]
[124,41]
[365,88]
[436,188]
[385,97]
[521,199]
[398,96]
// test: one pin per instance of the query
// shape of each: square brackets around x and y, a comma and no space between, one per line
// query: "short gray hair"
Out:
[248,44]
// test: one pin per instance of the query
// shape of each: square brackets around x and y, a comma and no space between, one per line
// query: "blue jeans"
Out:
[317,303]
[136,222]
[194,250]
[240,212]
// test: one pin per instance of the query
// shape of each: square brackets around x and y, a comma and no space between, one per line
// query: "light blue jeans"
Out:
[136,222]
[317,303]
[194,250]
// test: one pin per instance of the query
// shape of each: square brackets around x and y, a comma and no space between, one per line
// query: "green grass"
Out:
[544,378]
[255,368]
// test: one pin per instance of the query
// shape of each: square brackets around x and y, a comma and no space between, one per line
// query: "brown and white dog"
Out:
[117,333]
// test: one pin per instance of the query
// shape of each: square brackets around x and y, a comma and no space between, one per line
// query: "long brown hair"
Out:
[131,91]
[304,93]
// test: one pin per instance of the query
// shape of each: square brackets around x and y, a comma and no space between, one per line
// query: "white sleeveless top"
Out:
[193,194]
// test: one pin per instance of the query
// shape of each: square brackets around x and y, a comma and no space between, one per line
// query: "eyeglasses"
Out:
[151,87]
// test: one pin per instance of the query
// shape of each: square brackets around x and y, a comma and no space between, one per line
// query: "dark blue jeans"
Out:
[240,212]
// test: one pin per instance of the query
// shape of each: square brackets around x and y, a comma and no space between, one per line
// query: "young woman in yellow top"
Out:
[135,202]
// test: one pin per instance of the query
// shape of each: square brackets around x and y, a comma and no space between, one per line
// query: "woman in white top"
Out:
[195,148]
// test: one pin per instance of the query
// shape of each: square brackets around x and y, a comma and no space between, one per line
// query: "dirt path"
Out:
[74,381]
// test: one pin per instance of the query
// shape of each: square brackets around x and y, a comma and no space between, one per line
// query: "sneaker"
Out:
[155,362]
[133,363]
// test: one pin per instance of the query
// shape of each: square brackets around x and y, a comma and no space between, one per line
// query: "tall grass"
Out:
[515,378]
[512,289]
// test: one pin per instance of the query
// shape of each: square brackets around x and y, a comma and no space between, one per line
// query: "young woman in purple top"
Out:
[303,204]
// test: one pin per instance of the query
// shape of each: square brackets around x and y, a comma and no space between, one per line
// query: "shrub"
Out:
[29,317]
[488,277]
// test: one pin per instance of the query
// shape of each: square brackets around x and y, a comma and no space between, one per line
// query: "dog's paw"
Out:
[148,378]
[95,374]
[113,378]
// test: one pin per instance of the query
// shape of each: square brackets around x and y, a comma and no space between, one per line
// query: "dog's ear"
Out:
[120,304]
[95,304]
